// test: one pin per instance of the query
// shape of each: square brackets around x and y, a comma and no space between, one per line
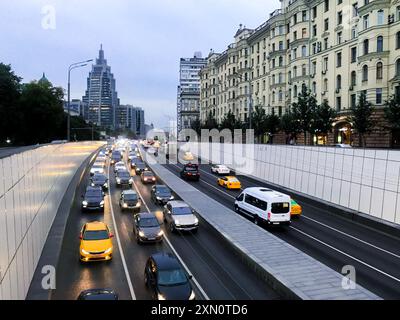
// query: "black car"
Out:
[166,279]
[129,200]
[147,228]
[99,180]
[115,157]
[190,172]
[161,194]
[93,199]
[98,294]
[135,161]
[140,167]
[123,178]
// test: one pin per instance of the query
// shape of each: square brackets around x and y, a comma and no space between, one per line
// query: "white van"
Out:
[264,204]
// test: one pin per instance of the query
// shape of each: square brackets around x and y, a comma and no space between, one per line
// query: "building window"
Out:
[304,15]
[303,51]
[379,44]
[366,21]
[339,18]
[314,28]
[325,84]
[355,9]
[304,70]
[280,96]
[339,37]
[398,40]
[366,46]
[294,91]
[339,59]
[381,17]
[326,64]
[326,44]
[326,24]
[353,32]
[314,10]
[365,73]
[353,54]
[280,61]
[326,7]
[304,33]
[338,103]
[379,96]
[314,67]
[353,78]
[339,82]
[353,100]
[295,71]
[398,68]
[314,87]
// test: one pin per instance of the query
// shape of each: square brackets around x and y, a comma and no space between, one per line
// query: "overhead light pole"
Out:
[70,68]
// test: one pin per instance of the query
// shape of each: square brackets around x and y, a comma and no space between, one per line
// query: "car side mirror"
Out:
[80,237]
[111,235]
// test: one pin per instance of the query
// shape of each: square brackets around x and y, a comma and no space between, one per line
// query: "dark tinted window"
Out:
[280,207]
[163,191]
[95,235]
[181,211]
[124,174]
[148,222]
[94,193]
[130,197]
[255,202]
[191,169]
[171,277]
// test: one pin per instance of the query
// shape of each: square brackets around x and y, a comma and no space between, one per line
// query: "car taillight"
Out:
[269,215]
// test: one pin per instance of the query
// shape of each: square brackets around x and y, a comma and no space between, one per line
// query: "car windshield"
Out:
[97,166]
[148,222]
[233,180]
[99,178]
[124,174]
[180,211]
[171,277]
[93,194]
[148,174]
[191,169]
[280,207]
[163,191]
[130,197]
[96,235]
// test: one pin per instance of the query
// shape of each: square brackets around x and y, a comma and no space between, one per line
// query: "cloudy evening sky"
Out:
[142,40]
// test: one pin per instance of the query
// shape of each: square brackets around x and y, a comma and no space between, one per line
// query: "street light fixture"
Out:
[250,99]
[70,68]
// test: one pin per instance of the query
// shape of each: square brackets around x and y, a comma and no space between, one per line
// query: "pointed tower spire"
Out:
[101,53]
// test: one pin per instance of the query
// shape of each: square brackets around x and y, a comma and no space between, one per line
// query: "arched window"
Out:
[339,82]
[379,70]
[379,44]
[381,17]
[365,73]
[314,87]
[353,78]
[273,96]
[366,46]
[295,71]
[280,96]
[295,91]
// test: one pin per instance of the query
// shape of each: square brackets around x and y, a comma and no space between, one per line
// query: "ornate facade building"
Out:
[337,48]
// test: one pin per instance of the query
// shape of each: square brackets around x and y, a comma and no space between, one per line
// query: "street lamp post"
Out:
[70,68]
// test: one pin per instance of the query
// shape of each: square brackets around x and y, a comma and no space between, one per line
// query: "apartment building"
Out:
[337,48]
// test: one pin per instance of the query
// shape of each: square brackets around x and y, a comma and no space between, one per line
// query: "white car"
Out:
[179,216]
[220,169]
[119,166]
[96,168]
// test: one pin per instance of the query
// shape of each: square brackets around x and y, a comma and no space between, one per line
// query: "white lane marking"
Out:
[173,249]
[128,278]
[333,248]
[347,255]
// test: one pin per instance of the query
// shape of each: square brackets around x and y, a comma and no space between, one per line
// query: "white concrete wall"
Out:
[32,185]
[365,180]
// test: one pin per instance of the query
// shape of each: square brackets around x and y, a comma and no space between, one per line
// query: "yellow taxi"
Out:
[96,244]
[296,209]
[229,182]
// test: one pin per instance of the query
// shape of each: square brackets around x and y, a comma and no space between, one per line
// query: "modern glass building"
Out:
[101,97]
[130,118]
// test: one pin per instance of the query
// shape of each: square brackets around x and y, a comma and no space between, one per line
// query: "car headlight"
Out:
[172,198]
[160,233]
[130,180]
[105,185]
[108,251]
[176,222]
[141,233]
[160,297]
[92,184]
[85,203]
[138,204]
[159,198]
[84,251]
[196,221]
[102,203]
[118,180]
[192,296]
[125,205]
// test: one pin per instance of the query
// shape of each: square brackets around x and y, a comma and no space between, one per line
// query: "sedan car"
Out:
[190,172]
[134,161]
[123,178]
[161,194]
[179,217]
[96,244]
[148,177]
[129,200]
[119,166]
[296,209]
[141,167]
[147,228]
[220,169]
[166,278]
[96,168]
[93,199]
[229,182]
[99,180]
[98,294]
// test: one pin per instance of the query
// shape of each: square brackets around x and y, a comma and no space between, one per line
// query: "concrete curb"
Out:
[52,248]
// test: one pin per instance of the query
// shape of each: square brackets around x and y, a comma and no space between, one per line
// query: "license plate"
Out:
[151,239]
[276,223]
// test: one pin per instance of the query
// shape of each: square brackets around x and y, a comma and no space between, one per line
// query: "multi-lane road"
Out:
[334,241]
[217,272]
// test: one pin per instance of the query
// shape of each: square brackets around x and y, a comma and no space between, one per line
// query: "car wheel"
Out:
[237,208]
[171,227]
[146,280]
[257,220]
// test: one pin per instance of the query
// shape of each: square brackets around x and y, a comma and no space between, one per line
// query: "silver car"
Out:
[147,228]
[180,217]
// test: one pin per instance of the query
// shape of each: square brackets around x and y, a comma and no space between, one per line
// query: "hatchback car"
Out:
[166,278]
[98,294]
[129,200]
[179,217]
[147,228]
[229,182]
[96,243]
[93,199]
[123,179]
[190,172]
[99,180]
[148,177]
[161,194]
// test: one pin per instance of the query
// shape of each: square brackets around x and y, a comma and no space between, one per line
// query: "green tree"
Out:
[210,123]
[259,118]
[272,125]
[230,122]
[196,126]
[10,115]
[361,118]
[42,108]
[323,118]
[304,109]
[82,131]
[289,125]
[392,112]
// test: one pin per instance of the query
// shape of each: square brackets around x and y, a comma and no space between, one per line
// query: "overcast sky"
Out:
[142,40]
